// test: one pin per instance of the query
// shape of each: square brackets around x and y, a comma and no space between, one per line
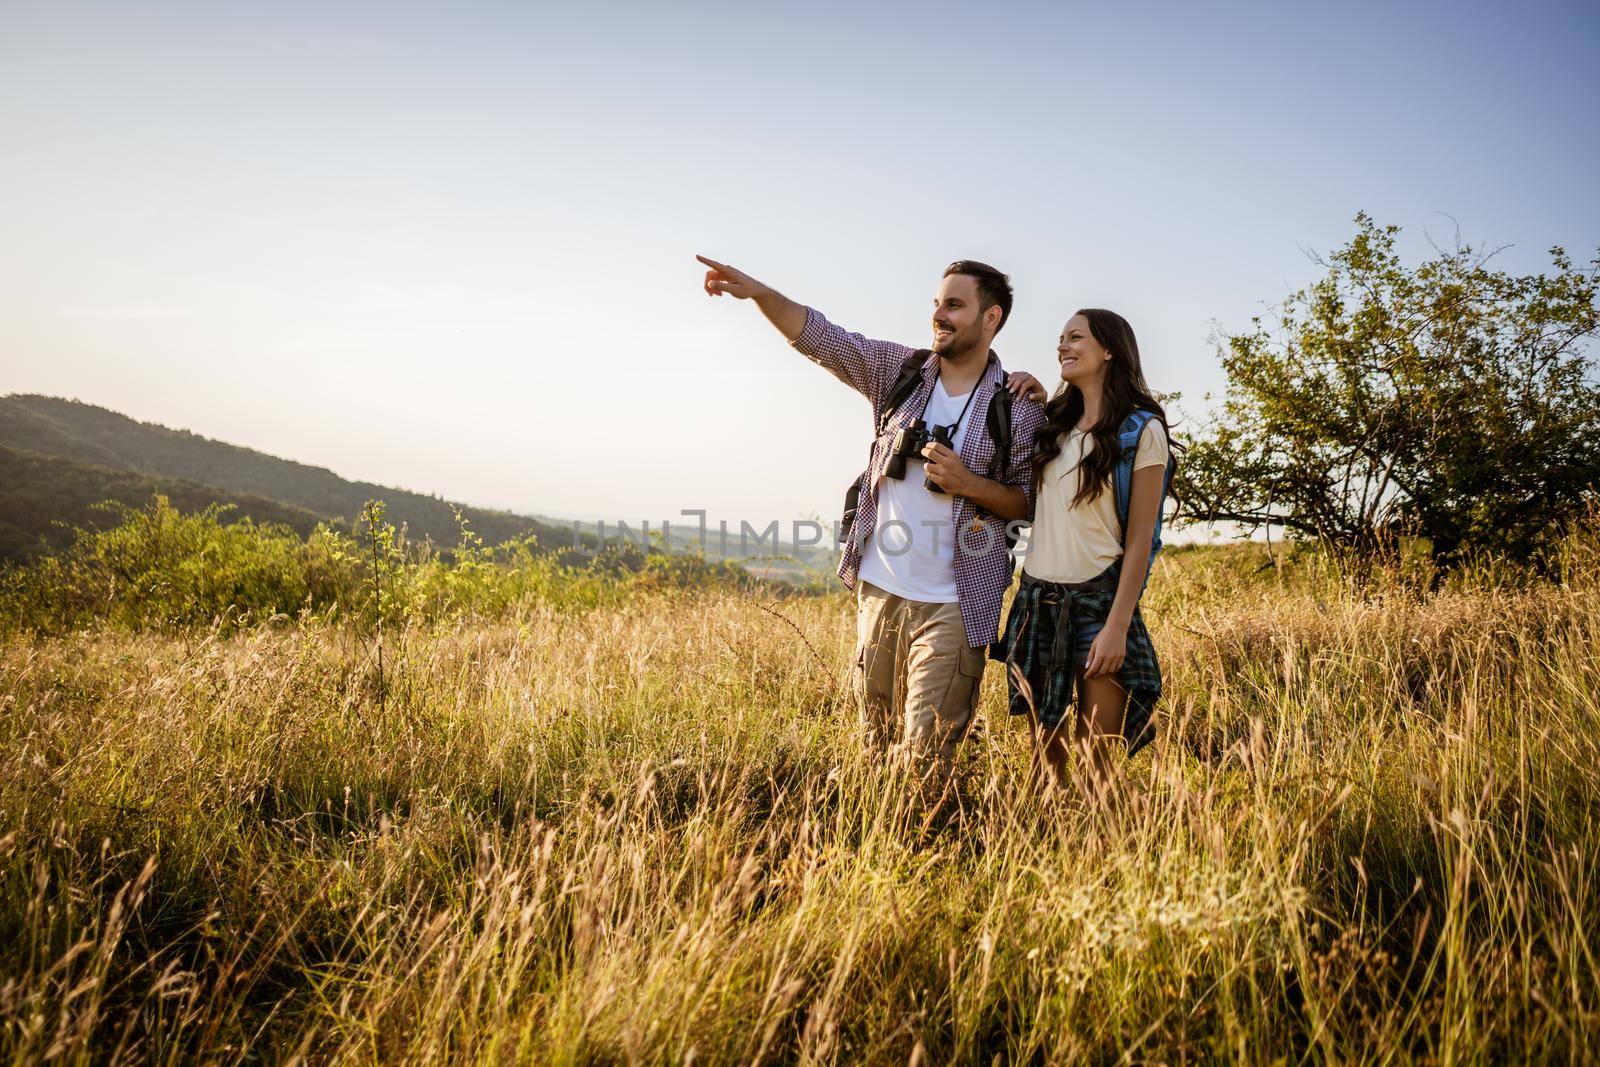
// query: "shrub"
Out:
[163,569]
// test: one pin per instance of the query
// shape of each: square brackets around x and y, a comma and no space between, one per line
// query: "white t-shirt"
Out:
[1072,542]
[911,551]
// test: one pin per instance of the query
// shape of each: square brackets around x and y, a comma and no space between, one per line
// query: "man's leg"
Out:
[942,676]
[880,627]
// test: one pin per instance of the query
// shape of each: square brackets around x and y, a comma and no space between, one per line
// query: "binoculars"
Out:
[909,441]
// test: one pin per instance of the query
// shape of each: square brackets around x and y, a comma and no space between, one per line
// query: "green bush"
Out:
[159,568]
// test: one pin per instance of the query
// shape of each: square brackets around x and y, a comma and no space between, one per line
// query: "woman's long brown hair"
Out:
[1125,393]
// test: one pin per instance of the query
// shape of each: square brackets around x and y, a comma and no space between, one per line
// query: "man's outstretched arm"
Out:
[785,314]
[864,365]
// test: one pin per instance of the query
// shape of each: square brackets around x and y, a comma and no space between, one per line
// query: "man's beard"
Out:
[960,345]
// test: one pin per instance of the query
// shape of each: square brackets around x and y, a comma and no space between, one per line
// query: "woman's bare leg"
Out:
[1052,754]
[1102,702]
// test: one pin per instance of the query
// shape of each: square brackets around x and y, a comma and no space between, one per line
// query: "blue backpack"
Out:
[1122,477]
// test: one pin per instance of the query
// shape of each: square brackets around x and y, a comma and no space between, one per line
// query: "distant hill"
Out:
[43,497]
[194,471]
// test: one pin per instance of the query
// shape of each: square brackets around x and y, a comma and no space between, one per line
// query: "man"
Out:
[929,565]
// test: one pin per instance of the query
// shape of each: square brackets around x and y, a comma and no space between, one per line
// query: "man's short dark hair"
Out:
[993,286]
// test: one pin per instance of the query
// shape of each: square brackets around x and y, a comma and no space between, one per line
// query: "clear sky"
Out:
[449,246]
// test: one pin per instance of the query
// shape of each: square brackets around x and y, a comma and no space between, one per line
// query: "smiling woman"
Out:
[1102,468]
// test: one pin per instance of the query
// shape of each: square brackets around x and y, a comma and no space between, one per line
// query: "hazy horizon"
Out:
[453,252]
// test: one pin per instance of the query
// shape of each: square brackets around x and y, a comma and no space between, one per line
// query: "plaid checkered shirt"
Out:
[982,559]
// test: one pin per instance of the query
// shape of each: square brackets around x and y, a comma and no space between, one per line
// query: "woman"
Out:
[1102,466]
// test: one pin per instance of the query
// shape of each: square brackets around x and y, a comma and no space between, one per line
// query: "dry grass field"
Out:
[644,832]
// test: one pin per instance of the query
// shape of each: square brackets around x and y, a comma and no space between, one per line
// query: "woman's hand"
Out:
[1023,384]
[1107,651]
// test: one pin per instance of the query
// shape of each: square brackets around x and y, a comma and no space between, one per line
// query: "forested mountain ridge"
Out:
[107,442]
[44,498]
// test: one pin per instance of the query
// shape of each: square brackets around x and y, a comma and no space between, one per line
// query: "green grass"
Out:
[642,829]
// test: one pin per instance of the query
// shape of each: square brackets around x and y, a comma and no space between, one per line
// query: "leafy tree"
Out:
[1448,400]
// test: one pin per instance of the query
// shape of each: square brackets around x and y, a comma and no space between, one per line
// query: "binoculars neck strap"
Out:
[954,426]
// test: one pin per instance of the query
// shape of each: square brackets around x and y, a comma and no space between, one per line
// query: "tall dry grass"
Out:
[647,833]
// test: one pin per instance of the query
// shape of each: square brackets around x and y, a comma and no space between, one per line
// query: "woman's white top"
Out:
[1074,542]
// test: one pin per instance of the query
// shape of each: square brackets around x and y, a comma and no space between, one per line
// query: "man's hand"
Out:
[722,278]
[1023,384]
[947,470]
[785,314]
[951,474]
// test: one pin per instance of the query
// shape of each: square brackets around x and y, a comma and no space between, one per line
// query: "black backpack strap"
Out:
[906,380]
[905,383]
[999,425]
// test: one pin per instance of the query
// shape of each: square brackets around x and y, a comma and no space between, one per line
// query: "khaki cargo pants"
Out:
[916,677]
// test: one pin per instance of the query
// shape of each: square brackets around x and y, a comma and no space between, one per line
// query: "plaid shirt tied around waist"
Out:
[982,559]
[1039,641]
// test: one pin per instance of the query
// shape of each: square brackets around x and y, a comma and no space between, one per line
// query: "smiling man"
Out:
[927,553]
